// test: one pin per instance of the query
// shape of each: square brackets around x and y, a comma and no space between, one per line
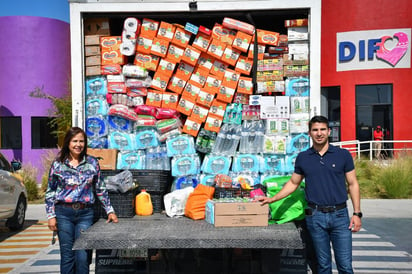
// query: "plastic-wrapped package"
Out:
[298,143]
[100,142]
[131,160]
[227,140]
[121,182]
[273,163]
[252,136]
[122,141]
[247,163]
[117,123]
[96,105]
[122,111]
[96,126]
[157,159]
[146,138]
[96,85]
[184,165]
[216,164]
[180,145]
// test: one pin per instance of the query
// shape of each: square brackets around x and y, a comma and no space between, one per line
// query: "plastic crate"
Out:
[221,192]
[152,180]
[123,204]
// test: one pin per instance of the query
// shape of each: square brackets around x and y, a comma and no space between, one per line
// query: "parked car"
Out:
[13,194]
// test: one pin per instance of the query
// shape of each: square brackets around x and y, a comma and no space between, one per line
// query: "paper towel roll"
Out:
[131,24]
[127,48]
[129,36]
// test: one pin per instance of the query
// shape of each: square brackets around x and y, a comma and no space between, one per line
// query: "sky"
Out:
[56,9]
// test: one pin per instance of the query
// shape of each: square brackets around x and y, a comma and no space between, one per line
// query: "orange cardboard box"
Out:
[147,61]
[213,123]
[191,55]
[212,83]
[205,62]
[242,41]
[244,65]
[223,34]
[174,53]
[154,98]
[176,84]
[230,78]
[191,91]
[113,57]
[202,42]
[184,71]
[166,31]
[205,98]
[166,67]
[144,44]
[192,126]
[149,28]
[181,37]
[198,77]
[230,55]
[245,85]
[267,37]
[216,48]
[169,100]
[159,47]
[199,113]
[219,68]
[185,106]
[261,51]
[218,108]
[225,93]
[160,81]
[110,43]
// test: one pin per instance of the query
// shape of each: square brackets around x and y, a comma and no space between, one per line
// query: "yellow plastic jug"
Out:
[144,206]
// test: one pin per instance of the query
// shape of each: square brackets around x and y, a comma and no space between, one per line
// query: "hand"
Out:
[355,223]
[52,224]
[112,218]
[263,200]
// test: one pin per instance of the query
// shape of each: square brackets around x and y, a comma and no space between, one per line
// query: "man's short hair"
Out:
[318,119]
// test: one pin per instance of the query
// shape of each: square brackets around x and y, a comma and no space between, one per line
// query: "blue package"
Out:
[130,160]
[246,162]
[297,87]
[100,142]
[146,138]
[180,145]
[96,126]
[290,164]
[96,85]
[96,106]
[216,164]
[121,141]
[119,123]
[273,163]
[186,181]
[298,143]
[185,165]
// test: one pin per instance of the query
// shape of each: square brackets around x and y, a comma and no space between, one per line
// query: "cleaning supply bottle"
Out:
[144,206]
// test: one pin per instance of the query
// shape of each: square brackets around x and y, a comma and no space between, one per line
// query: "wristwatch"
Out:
[359,214]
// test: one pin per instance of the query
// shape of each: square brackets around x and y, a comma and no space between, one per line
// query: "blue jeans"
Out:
[70,223]
[325,228]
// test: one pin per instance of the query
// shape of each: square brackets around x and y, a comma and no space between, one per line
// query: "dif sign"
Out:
[373,49]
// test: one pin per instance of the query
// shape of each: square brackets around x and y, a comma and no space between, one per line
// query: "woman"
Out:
[69,199]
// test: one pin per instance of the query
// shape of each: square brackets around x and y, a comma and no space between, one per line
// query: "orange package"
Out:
[166,67]
[191,91]
[225,93]
[261,51]
[176,84]
[216,48]
[110,43]
[169,100]
[184,71]
[212,83]
[160,81]
[213,123]
[205,62]
[223,34]
[154,98]
[205,98]
[149,28]
[174,53]
[166,31]
[218,108]
[267,37]
[218,69]
[196,202]
[191,55]
[181,37]
[245,85]
[159,47]
[199,113]
[242,41]
[192,126]
[198,77]
[144,44]
[230,56]
[147,61]
[202,42]
[185,106]
[244,65]
[230,78]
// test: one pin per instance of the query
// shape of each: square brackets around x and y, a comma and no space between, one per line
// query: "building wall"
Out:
[35,53]
[351,15]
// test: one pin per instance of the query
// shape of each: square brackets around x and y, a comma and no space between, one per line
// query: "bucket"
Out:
[144,206]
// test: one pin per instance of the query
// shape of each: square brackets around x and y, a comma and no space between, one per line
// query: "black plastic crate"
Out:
[152,180]
[235,192]
[123,204]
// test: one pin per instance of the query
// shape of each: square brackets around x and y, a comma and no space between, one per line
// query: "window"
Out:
[10,129]
[331,108]
[41,133]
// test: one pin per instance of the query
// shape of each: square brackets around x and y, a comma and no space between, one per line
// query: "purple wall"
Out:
[35,53]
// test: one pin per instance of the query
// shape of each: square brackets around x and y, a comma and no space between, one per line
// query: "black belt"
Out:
[75,206]
[327,209]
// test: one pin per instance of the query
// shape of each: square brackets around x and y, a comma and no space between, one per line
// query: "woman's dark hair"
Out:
[65,152]
[318,119]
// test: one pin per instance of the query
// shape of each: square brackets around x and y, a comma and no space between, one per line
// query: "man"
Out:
[326,170]
[378,137]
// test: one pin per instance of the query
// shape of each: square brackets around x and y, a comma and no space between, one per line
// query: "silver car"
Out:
[13,194]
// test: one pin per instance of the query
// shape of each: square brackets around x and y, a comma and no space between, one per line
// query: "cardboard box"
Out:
[92,40]
[98,26]
[91,50]
[107,157]
[222,214]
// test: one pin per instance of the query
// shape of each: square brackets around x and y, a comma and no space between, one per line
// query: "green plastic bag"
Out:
[289,208]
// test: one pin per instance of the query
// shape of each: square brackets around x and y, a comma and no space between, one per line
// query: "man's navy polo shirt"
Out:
[325,182]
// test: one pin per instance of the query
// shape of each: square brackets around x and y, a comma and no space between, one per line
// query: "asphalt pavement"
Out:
[390,220]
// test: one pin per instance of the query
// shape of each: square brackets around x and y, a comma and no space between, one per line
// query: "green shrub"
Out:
[29,175]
